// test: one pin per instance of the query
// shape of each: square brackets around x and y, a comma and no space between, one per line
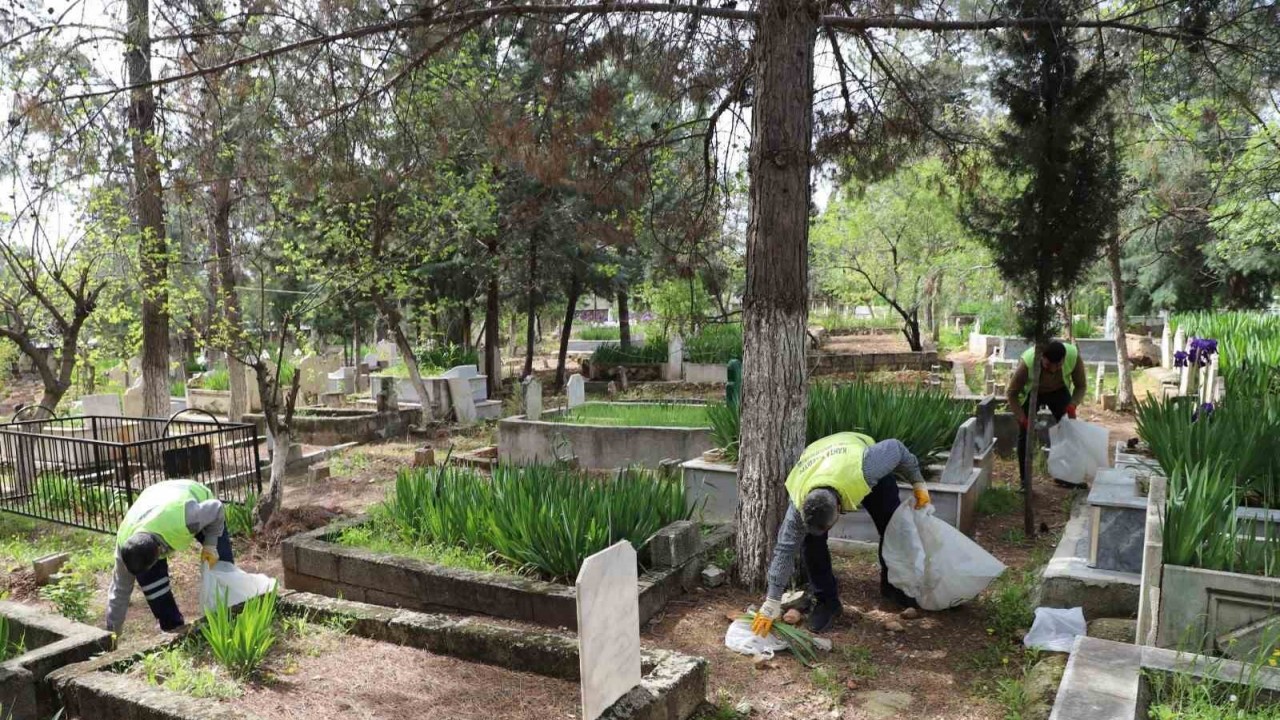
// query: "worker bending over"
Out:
[1062,388]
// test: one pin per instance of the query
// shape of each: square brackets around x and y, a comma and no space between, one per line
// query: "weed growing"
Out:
[242,643]
[636,415]
[829,684]
[178,669]
[10,646]
[240,516]
[71,598]
[350,463]
[999,500]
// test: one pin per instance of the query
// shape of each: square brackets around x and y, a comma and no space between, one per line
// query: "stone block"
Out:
[319,472]
[44,568]
[1119,630]
[424,457]
[713,576]
[674,544]
[316,560]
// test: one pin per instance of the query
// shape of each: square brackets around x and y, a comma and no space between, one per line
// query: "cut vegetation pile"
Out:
[542,519]
[635,415]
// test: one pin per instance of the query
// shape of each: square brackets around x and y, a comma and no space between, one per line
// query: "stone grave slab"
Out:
[1118,522]
[576,390]
[464,405]
[532,399]
[133,402]
[107,405]
[608,628]
[960,462]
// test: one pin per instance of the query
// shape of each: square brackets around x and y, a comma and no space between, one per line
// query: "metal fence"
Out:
[87,471]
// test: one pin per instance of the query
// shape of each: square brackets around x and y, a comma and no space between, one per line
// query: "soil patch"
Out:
[880,343]
[377,681]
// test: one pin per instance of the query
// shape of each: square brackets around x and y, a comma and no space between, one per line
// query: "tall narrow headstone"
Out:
[960,461]
[608,628]
[1180,340]
[576,390]
[675,358]
[1166,348]
[1099,378]
[984,429]
[532,399]
[133,402]
[1109,328]
[989,377]
[464,404]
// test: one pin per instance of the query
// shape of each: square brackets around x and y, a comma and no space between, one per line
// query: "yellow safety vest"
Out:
[833,462]
[162,509]
[1068,367]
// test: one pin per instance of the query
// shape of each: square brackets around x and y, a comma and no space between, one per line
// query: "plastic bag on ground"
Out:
[1055,629]
[740,639]
[1077,450]
[933,562]
[225,579]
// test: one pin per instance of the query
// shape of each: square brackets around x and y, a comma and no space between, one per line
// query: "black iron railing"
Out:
[87,471]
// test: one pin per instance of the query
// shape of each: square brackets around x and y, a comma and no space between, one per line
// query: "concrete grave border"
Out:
[335,426]
[312,563]
[58,641]
[672,687]
[523,441]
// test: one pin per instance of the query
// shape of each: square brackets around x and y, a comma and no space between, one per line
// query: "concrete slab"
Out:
[1068,581]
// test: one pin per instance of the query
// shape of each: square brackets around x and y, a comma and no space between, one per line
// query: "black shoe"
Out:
[824,614]
[895,595]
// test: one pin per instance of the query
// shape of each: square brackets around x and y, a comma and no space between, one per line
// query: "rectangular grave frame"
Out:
[672,687]
[598,447]
[313,563]
[57,642]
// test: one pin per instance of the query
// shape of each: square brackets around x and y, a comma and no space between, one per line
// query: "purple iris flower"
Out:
[1204,410]
[1179,359]
[1201,350]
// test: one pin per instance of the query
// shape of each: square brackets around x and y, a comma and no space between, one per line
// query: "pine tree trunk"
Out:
[1124,391]
[532,305]
[624,321]
[775,303]
[153,245]
[574,291]
[492,348]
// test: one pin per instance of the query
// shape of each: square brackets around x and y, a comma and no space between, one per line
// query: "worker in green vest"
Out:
[1062,388]
[836,474]
[167,517]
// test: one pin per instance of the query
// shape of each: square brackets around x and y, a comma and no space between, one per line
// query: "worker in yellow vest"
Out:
[167,517]
[1062,388]
[836,474]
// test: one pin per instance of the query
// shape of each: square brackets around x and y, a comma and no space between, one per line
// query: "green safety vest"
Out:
[1068,366]
[162,509]
[833,462]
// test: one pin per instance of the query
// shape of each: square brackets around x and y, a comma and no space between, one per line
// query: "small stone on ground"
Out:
[910,614]
[1120,630]
[713,576]
[792,616]
[884,704]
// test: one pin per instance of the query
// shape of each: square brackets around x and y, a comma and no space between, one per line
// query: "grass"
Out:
[829,684]
[1082,329]
[858,661]
[999,500]
[56,493]
[636,415]
[652,352]
[217,379]
[10,647]
[600,332]
[716,344]
[535,518]
[350,463]
[832,320]
[178,669]
[240,515]
[380,536]
[178,388]
[1194,697]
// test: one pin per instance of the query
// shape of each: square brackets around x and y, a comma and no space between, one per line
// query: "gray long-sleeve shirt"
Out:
[886,457]
[206,517]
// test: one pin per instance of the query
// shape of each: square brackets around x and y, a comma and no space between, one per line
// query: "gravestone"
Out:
[461,371]
[576,390]
[1109,328]
[314,377]
[135,368]
[608,628]
[532,399]
[1166,348]
[104,405]
[984,427]
[674,369]
[385,351]
[343,380]
[133,402]
[1207,394]
[1099,378]
[464,405]
[1180,340]
[960,462]
[988,377]
[118,376]
[385,400]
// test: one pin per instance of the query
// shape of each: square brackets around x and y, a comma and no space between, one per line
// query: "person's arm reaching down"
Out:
[1013,394]
[891,457]
[209,518]
[1079,384]
[118,596]
[790,537]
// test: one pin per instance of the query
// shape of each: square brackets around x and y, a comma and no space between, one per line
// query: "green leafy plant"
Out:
[652,352]
[797,638]
[1082,329]
[726,428]
[176,669]
[549,518]
[178,388]
[635,415]
[600,332]
[240,644]
[240,515]
[9,646]
[218,379]
[717,344]
[71,597]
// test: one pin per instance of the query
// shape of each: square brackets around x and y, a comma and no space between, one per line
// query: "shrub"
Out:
[715,344]
[447,356]
[548,518]
[71,598]
[242,643]
[218,379]
[653,351]
[600,332]
[240,515]
[726,428]
[1082,329]
[178,388]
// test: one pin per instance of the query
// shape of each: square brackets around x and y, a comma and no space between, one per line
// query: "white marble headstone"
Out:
[960,462]
[532,399]
[386,351]
[464,405]
[1166,348]
[984,428]
[1109,329]
[675,358]
[343,380]
[1099,381]
[107,405]
[1180,340]
[461,371]
[133,402]
[576,390]
[608,628]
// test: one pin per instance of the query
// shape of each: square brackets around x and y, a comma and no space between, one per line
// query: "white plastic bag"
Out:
[225,579]
[740,639]
[935,563]
[1077,450]
[1055,629]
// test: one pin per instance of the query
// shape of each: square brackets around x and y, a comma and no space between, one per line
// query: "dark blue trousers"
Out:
[880,505]
[155,586]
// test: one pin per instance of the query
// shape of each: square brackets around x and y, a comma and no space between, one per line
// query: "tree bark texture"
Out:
[1124,390]
[153,248]
[624,321]
[229,307]
[1028,467]
[532,307]
[492,348]
[775,303]
[279,436]
[573,292]
[395,325]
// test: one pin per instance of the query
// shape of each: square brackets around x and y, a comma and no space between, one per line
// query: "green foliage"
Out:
[635,415]
[175,668]
[239,516]
[726,429]
[381,534]
[217,379]
[548,518]
[60,494]
[832,320]
[10,647]
[1216,693]
[71,597]
[923,419]
[178,388]
[1082,329]
[717,344]
[999,500]
[653,351]
[240,644]
[600,332]
[679,303]
[443,357]
[1248,346]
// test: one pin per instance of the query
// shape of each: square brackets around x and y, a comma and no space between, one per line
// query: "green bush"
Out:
[71,598]
[600,332]
[240,516]
[217,379]
[716,344]
[1082,329]
[726,428]
[547,518]
[240,644]
[178,388]
[9,647]
[653,351]
[444,357]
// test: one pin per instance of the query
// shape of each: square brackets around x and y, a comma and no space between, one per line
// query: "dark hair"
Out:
[821,506]
[140,552]
[1055,352]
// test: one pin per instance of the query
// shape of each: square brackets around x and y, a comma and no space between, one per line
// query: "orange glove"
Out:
[922,496]
[209,556]
[1071,411]
[770,611]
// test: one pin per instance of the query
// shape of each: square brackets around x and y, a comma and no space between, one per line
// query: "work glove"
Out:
[209,556]
[770,611]
[922,496]
[1071,411]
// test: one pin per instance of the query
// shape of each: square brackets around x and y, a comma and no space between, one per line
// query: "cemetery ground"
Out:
[964,663]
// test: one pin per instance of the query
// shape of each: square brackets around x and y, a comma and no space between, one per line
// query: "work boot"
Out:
[898,597]
[823,615]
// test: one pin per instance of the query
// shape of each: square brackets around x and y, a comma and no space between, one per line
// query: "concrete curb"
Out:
[55,642]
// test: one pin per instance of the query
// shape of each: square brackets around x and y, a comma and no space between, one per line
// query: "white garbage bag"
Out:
[1077,450]
[1055,629]
[740,639]
[225,579]
[933,562]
